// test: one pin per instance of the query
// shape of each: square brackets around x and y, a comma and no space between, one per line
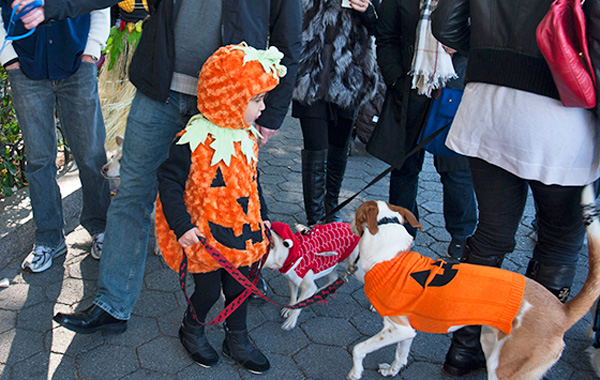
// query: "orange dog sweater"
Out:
[436,295]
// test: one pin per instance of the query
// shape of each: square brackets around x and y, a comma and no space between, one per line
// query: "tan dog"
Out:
[535,342]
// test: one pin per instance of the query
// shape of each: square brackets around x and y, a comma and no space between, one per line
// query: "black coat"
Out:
[396,134]
[258,22]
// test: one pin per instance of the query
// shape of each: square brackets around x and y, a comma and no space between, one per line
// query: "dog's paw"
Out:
[355,374]
[289,324]
[285,312]
[388,370]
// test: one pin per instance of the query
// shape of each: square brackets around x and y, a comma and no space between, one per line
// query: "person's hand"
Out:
[359,5]
[13,66]
[266,133]
[448,50]
[88,58]
[267,223]
[33,18]
[190,238]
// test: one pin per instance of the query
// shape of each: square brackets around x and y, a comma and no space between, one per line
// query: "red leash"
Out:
[250,285]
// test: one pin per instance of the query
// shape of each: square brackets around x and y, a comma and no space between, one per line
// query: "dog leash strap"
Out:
[385,172]
[250,286]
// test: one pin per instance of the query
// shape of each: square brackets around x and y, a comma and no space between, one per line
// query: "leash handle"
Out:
[385,172]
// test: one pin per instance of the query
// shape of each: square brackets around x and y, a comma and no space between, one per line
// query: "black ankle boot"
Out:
[465,354]
[237,346]
[336,168]
[557,279]
[313,184]
[194,341]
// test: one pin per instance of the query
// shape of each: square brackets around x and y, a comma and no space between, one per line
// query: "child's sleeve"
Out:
[172,176]
[264,210]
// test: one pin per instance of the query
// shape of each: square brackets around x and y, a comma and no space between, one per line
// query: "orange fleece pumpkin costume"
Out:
[436,295]
[221,192]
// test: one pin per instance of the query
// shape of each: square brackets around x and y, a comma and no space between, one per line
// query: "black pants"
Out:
[208,290]
[318,134]
[501,198]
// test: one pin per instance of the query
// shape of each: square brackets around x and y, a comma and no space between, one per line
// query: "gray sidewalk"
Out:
[32,346]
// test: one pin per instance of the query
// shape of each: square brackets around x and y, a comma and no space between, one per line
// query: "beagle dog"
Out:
[520,342]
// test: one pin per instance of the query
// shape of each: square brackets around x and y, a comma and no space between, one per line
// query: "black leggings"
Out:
[208,290]
[318,134]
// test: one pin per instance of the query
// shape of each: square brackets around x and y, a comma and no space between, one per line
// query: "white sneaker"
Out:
[97,243]
[41,257]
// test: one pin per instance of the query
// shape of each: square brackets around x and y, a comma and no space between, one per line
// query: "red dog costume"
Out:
[307,250]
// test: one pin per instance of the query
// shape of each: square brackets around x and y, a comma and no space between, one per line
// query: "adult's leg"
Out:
[460,213]
[34,102]
[151,127]
[501,199]
[404,184]
[83,126]
[339,132]
[314,158]
[559,238]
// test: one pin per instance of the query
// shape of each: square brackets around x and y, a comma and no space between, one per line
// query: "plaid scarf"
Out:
[431,65]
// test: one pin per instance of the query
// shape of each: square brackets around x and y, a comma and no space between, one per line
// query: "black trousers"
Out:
[208,290]
[501,198]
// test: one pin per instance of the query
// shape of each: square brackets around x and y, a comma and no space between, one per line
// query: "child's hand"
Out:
[190,238]
[267,223]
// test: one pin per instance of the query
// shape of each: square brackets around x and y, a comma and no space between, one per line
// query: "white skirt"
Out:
[532,136]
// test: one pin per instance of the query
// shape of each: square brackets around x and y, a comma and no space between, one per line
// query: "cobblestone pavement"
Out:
[32,346]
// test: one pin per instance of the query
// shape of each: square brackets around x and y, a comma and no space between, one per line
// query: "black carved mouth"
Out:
[226,237]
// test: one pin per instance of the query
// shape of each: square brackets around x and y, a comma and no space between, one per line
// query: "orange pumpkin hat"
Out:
[231,77]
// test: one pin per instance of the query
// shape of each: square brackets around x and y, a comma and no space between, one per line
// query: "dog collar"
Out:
[388,220]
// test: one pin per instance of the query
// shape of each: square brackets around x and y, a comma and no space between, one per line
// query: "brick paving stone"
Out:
[107,362]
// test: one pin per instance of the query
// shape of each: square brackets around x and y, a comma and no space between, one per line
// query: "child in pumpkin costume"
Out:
[207,187]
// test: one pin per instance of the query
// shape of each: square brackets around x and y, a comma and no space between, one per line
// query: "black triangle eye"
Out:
[218,181]
[244,203]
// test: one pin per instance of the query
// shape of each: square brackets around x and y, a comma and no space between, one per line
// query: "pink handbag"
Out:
[562,40]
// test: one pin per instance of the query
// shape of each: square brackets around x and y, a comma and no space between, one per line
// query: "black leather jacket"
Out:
[499,36]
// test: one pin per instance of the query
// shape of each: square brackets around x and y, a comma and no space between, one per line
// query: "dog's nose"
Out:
[104,169]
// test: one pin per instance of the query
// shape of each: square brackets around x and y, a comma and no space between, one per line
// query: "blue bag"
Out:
[441,115]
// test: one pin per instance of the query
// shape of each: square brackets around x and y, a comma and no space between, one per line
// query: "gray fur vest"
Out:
[345,74]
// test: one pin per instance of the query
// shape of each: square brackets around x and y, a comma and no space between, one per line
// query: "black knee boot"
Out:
[557,279]
[313,184]
[237,346]
[336,167]
[194,341]
[465,354]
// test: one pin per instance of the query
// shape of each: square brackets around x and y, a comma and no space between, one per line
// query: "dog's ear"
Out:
[119,140]
[407,215]
[367,213]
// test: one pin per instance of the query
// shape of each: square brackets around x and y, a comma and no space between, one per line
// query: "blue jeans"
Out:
[76,99]
[460,209]
[151,128]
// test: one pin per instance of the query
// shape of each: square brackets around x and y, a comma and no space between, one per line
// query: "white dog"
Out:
[306,257]
[523,344]
[112,168]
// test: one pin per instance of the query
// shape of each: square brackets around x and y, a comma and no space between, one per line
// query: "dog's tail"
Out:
[577,307]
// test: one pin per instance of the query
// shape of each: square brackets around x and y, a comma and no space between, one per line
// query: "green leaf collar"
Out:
[198,129]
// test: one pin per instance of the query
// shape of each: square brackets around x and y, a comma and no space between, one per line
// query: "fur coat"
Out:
[351,65]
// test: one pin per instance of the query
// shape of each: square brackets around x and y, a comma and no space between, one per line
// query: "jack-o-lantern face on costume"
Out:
[221,193]
[226,235]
